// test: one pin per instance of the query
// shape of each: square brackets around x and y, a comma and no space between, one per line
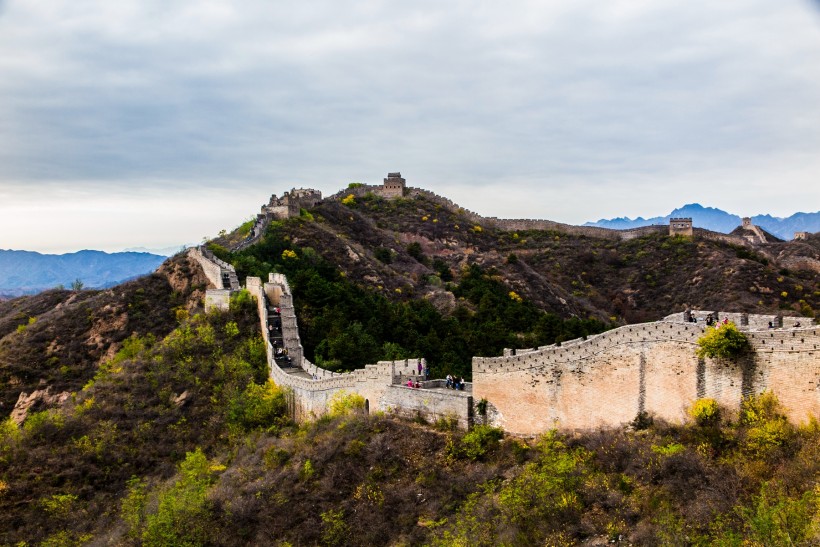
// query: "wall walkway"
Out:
[381,384]
[604,380]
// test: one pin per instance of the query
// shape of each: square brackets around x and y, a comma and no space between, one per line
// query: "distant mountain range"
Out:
[164,251]
[26,272]
[717,220]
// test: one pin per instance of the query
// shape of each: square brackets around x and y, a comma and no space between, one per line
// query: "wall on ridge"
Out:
[411,403]
[609,378]
[313,389]
[212,270]
[605,380]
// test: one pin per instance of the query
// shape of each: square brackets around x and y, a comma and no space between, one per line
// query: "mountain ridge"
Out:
[712,218]
[26,272]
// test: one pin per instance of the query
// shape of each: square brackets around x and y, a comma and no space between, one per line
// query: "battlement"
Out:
[680,227]
[291,203]
[393,186]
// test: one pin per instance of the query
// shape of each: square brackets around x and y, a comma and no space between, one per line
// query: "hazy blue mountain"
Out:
[24,272]
[164,251]
[721,221]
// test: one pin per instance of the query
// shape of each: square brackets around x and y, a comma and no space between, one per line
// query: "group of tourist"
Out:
[454,383]
[280,353]
[715,321]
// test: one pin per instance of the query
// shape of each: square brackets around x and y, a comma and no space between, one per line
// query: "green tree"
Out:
[724,341]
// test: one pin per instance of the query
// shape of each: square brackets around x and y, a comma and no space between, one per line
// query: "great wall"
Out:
[604,380]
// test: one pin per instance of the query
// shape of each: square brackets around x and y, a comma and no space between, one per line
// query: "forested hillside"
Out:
[384,279]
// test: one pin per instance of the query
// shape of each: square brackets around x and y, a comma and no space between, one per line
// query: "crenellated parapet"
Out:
[608,379]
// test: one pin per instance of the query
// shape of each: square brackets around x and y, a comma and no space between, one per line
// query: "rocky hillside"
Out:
[54,342]
[152,422]
[419,247]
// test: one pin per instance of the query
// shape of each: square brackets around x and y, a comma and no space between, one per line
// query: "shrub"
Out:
[245,228]
[334,528]
[383,255]
[182,516]
[231,329]
[59,505]
[350,199]
[668,449]
[776,519]
[768,427]
[757,409]
[705,412]
[724,341]
[242,301]
[477,443]
[343,403]
[275,457]
[414,250]
[307,471]
[259,406]
[133,507]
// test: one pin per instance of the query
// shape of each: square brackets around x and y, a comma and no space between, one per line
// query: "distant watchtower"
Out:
[393,186]
[680,227]
[801,235]
[746,223]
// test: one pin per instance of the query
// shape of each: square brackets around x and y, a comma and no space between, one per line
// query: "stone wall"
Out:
[379,383]
[744,321]
[680,227]
[609,378]
[220,274]
[212,270]
[410,403]
[604,380]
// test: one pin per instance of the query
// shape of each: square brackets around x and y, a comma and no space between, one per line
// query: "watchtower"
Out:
[680,227]
[801,236]
[393,186]
[746,223]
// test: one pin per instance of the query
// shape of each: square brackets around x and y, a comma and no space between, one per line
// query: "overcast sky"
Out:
[156,123]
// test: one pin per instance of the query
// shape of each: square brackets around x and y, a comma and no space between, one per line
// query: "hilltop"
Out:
[421,244]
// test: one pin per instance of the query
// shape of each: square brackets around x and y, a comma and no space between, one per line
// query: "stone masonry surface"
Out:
[609,378]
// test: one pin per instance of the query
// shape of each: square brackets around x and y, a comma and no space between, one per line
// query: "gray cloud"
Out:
[544,96]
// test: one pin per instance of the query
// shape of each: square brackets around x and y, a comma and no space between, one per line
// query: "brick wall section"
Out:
[410,403]
[607,379]
[375,382]
[217,271]
[212,270]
